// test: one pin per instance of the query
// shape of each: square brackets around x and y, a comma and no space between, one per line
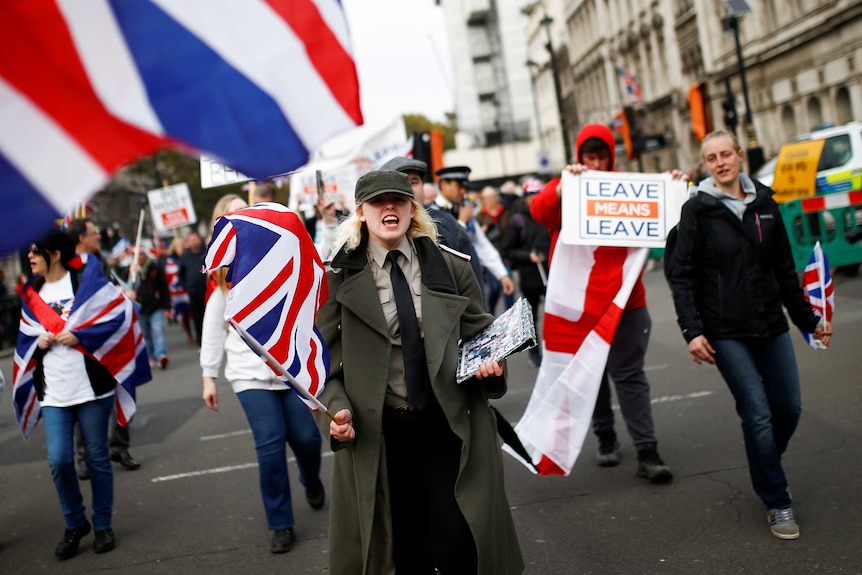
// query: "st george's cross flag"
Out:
[819,291]
[588,288]
[88,86]
[106,325]
[277,284]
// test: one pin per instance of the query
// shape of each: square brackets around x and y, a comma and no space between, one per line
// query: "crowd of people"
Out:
[417,481]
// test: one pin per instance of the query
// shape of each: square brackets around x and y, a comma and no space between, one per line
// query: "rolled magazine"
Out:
[510,333]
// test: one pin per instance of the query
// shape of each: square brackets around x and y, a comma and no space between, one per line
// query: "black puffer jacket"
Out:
[730,277]
[523,236]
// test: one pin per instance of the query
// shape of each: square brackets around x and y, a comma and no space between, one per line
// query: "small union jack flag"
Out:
[278,283]
[633,87]
[819,291]
[106,325]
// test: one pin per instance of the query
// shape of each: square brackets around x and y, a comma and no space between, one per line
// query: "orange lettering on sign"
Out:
[647,210]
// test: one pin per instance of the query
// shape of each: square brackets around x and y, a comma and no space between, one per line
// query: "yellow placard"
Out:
[796,170]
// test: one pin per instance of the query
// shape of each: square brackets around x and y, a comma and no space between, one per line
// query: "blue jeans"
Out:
[60,434]
[153,327]
[277,417]
[764,380]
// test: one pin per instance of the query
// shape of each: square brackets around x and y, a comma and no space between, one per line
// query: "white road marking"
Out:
[223,435]
[214,470]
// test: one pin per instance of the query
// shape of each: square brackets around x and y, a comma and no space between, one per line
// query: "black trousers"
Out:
[429,530]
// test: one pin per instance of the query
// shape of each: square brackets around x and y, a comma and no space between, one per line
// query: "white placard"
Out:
[620,208]
[215,173]
[171,207]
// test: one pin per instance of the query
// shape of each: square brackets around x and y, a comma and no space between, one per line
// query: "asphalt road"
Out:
[194,506]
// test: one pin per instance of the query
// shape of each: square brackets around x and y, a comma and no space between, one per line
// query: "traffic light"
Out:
[626,124]
[731,119]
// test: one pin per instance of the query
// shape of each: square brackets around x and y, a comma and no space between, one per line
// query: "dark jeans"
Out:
[626,368]
[197,305]
[763,377]
[277,419]
[60,422]
[422,459]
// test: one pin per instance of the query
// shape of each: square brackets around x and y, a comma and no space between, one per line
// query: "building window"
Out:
[788,122]
[815,113]
[843,107]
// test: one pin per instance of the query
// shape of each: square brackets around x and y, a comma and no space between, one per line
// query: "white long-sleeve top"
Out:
[244,369]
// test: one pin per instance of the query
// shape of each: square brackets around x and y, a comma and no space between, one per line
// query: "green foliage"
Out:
[419,123]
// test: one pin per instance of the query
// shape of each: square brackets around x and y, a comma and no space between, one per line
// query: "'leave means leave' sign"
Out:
[620,209]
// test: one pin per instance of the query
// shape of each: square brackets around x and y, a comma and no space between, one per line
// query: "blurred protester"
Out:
[510,193]
[151,292]
[453,191]
[179,297]
[526,247]
[192,280]
[274,412]
[493,217]
[83,232]
[418,478]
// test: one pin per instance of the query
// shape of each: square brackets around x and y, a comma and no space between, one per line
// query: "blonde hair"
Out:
[720,134]
[220,209]
[349,232]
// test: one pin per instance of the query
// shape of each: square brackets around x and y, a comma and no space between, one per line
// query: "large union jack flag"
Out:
[87,86]
[106,325]
[278,283]
[817,284]
[588,288]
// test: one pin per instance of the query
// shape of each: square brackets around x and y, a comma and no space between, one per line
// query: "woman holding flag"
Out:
[71,388]
[730,272]
[418,480]
[276,414]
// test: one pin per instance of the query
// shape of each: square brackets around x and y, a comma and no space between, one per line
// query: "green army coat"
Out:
[355,330]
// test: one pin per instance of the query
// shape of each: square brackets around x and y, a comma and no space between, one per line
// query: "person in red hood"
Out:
[595,151]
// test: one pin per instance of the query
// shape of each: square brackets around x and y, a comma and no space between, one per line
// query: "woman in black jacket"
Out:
[732,271]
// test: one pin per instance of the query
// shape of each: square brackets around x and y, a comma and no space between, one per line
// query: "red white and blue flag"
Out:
[633,87]
[86,87]
[277,284]
[179,296]
[106,325]
[817,284]
[588,288]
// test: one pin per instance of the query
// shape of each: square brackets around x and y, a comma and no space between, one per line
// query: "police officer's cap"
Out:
[459,173]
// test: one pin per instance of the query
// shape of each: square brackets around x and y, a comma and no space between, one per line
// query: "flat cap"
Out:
[461,173]
[404,165]
[379,182]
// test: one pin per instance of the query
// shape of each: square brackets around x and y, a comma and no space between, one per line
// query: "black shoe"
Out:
[651,466]
[68,547]
[315,495]
[104,541]
[282,540]
[608,453]
[125,460]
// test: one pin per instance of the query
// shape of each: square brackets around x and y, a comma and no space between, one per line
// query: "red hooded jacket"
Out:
[547,208]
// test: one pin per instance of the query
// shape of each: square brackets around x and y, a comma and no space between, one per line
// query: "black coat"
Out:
[729,277]
[523,236]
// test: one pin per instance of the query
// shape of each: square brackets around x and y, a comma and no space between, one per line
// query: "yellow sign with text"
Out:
[796,170]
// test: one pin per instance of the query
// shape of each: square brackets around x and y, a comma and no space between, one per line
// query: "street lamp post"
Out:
[546,21]
[533,65]
[731,23]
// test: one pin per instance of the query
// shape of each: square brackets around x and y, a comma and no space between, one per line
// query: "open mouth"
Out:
[390,222]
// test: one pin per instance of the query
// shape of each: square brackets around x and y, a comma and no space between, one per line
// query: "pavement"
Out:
[194,506]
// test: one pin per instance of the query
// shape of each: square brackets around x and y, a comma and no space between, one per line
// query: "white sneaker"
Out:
[782,523]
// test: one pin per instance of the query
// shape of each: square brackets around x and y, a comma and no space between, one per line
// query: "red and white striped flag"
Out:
[588,288]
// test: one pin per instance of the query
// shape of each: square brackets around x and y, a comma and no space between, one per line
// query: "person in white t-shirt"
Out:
[72,389]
